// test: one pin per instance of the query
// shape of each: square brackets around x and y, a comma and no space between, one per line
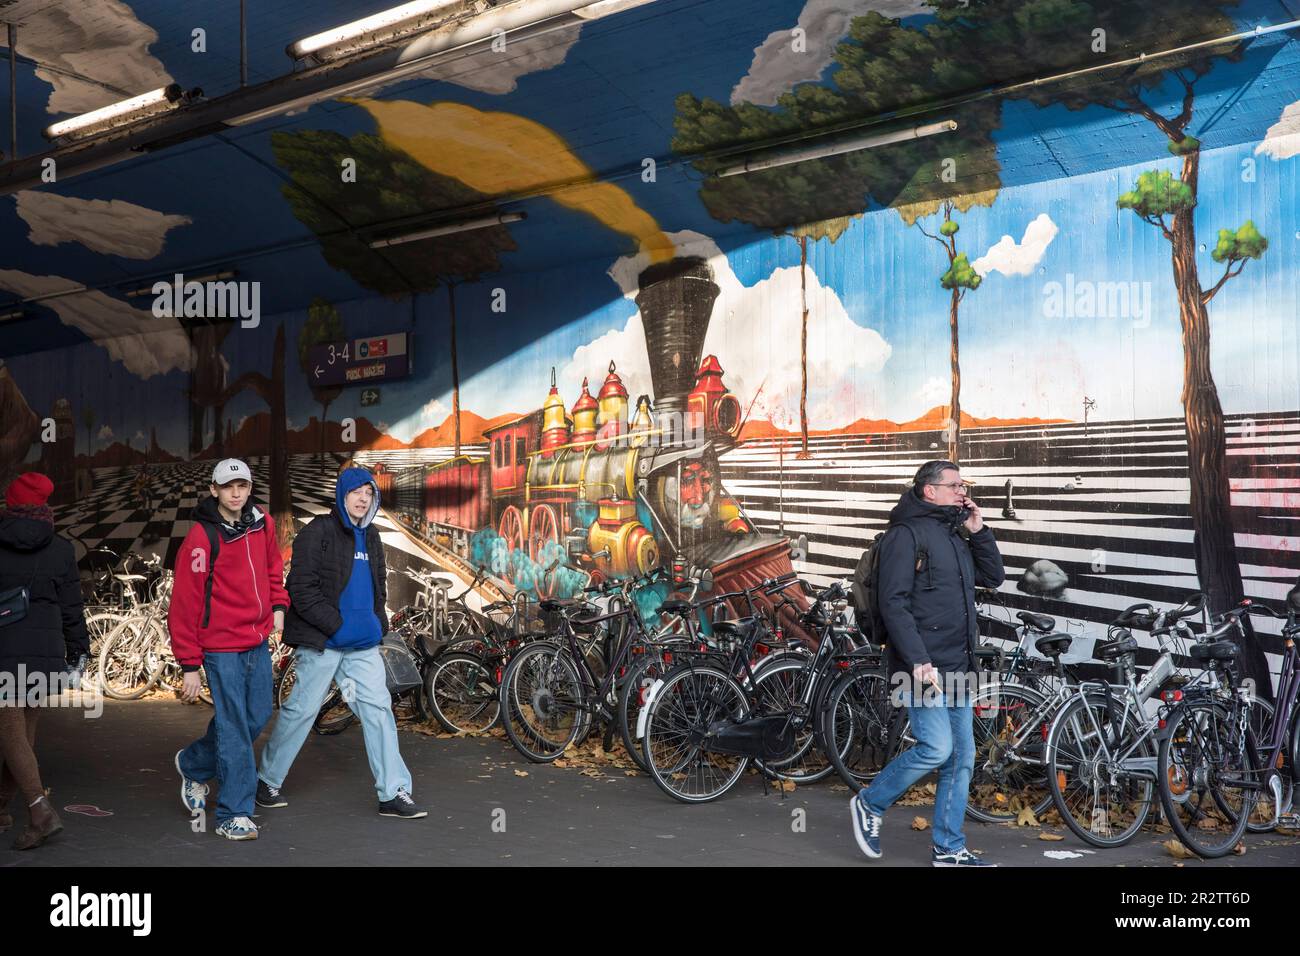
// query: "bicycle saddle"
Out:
[1040,622]
[551,607]
[735,628]
[1216,651]
[674,607]
[1112,650]
[1053,645]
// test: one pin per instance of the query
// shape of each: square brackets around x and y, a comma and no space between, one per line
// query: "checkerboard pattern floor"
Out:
[118,515]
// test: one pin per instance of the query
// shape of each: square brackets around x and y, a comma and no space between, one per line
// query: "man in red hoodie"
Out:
[227,598]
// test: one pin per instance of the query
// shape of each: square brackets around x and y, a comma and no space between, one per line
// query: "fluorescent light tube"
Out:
[136,108]
[449,229]
[850,145]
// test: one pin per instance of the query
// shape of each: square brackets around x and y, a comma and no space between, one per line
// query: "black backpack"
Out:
[214,546]
[864,593]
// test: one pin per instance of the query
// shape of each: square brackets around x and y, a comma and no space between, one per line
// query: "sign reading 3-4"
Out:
[379,358]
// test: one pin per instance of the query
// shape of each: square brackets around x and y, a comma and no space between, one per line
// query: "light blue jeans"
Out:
[944,740]
[360,674]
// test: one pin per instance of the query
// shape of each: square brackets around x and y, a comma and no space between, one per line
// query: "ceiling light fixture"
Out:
[449,229]
[148,289]
[605,8]
[847,145]
[15,314]
[372,31]
[140,107]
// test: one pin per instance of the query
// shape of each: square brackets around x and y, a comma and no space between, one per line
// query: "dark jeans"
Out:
[241,696]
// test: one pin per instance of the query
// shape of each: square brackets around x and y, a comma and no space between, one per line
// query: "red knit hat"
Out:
[31,488]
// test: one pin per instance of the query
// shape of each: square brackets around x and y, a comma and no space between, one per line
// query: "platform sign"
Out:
[368,361]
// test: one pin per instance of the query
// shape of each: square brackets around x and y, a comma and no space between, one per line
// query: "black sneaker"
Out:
[269,796]
[962,857]
[402,806]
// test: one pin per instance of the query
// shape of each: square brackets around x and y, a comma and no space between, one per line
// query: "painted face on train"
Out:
[697,493]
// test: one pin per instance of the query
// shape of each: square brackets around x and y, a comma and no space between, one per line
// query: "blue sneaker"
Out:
[962,857]
[194,795]
[866,826]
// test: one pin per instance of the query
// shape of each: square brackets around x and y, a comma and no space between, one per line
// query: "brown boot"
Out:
[43,823]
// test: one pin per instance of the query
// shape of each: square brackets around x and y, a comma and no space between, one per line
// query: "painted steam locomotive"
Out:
[614,493]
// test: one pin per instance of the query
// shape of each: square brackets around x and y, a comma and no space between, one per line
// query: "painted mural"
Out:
[741,373]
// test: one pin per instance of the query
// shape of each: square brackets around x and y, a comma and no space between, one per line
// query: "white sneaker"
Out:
[238,828]
[194,795]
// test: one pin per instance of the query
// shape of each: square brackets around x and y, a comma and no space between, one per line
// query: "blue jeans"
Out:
[240,682]
[944,740]
[360,674]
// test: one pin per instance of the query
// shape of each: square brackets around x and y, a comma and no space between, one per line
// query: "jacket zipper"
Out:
[253,572]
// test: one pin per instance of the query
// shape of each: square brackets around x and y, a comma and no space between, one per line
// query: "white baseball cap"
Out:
[231,469]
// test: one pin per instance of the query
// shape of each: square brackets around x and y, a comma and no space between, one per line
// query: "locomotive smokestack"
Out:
[676,302]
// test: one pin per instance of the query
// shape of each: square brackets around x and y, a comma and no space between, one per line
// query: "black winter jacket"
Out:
[53,634]
[929,612]
[322,564]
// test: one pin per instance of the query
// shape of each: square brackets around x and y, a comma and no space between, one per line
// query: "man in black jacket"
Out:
[337,589]
[936,551]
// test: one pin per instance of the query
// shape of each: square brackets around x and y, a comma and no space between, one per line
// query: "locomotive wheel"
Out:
[511,527]
[543,527]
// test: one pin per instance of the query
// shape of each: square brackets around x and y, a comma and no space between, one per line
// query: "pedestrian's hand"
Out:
[926,674]
[976,519]
[190,686]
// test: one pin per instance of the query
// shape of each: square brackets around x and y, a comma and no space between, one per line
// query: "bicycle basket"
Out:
[400,671]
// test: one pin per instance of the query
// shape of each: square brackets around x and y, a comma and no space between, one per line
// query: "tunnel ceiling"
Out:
[634,112]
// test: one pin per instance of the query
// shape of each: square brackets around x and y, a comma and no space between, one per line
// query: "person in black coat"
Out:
[37,649]
[936,552]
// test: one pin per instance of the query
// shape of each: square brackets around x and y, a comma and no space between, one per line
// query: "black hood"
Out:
[911,508]
[250,519]
[25,534]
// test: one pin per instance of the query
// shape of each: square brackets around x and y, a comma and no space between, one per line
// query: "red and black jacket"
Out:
[226,604]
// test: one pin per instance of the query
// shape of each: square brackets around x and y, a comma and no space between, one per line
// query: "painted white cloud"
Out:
[1013,258]
[93,52]
[147,346]
[431,414]
[777,67]
[139,436]
[490,71]
[1282,141]
[104,433]
[936,391]
[114,227]
[762,369]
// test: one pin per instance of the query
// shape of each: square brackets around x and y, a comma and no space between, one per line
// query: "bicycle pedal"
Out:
[1290,821]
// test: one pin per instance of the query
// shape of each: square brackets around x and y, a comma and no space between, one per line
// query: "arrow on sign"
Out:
[318,371]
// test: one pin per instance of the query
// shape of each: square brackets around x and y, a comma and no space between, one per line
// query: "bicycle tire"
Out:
[464,680]
[808,763]
[631,699]
[1201,759]
[684,704]
[1075,769]
[861,729]
[113,651]
[541,687]
[1261,818]
[335,714]
[999,711]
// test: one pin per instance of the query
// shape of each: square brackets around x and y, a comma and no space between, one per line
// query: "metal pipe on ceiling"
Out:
[296,91]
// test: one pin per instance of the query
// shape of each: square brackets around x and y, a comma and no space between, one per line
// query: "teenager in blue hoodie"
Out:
[337,590]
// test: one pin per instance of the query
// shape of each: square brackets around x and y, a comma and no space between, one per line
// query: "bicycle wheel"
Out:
[1102,800]
[1208,777]
[1262,817]
[683,707]
[98,626]
[1008,778]
[284,683]
[861,728]
[543,698]
[462,693]
[779,689]
[122,671]
[632,698]
[334,716]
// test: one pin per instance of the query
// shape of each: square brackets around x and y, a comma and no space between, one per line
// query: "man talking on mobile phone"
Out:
[935,553]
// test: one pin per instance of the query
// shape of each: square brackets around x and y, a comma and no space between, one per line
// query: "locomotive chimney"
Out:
[676,301]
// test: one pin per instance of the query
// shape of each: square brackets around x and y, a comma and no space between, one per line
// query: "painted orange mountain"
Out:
[471,431]
[933,420]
